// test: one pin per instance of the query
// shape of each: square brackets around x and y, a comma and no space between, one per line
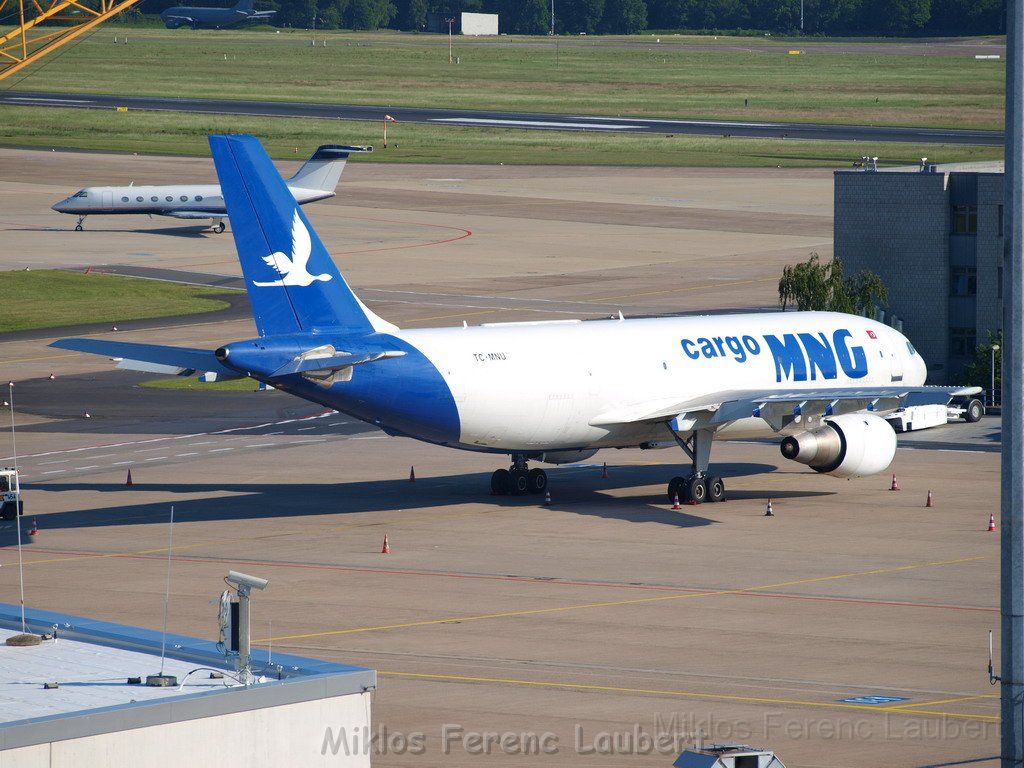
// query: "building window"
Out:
[963,281]
[965,219]
[999,282]
[961,342]
[1000,220]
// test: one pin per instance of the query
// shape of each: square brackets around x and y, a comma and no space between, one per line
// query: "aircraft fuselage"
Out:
[577,385]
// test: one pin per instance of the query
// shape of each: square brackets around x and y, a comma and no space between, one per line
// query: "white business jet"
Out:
[317,179]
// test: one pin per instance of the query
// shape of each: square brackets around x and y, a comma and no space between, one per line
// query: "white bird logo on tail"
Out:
[293,270]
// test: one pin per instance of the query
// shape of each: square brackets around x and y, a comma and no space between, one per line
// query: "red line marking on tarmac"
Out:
[723,592]
[465,233]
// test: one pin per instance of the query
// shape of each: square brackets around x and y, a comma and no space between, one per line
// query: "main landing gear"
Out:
[699,486]
[217,225]
[518,480]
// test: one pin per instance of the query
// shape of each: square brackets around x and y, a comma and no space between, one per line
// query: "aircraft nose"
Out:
[60,207]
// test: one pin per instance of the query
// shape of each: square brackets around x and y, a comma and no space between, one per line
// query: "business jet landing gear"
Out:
[217,225]
[699,486]
[78,226]
[518,480]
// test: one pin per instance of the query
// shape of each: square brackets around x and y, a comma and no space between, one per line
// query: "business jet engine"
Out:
[851,445]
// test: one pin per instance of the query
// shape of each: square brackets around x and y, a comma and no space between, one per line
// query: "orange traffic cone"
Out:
[895,486]
[547,499]
[991,523]
[412,474]
[34,529]
[675,502]
[129,482]
[604,471]
[929,502]
[387,546]
[768,512]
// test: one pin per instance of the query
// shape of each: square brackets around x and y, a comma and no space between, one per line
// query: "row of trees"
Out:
[846,18]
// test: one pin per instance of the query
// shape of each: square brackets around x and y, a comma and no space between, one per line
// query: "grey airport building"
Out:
[934,234]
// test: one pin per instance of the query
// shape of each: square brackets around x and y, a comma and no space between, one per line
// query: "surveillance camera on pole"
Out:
[244,584]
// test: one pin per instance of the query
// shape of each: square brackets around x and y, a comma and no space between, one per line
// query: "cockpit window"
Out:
[911,348]
[81,193]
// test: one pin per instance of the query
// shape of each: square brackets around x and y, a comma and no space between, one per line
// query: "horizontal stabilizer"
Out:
[181,358]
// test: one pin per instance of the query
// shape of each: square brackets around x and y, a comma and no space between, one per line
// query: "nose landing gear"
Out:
[78,226]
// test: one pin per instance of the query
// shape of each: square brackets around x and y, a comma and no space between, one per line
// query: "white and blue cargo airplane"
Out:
[317,179]
[554,392]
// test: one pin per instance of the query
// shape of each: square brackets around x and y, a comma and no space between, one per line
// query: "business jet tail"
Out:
[324,168]
[293,284]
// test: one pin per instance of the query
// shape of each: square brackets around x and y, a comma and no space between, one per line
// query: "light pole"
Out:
[992,391]
[450,22]
[552,18]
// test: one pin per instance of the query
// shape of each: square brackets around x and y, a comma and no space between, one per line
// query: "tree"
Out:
[624,17]
[412,14]
[524,17]
[978,372]
[370,14]
[582,16]
[813,286]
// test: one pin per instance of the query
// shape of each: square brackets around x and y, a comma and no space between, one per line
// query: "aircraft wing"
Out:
[152,358]
[777,407]
[195,214]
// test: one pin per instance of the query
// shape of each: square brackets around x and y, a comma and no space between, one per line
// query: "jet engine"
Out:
[565,457]
[851,445]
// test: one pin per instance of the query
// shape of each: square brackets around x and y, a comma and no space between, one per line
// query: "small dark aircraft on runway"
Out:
[214,18]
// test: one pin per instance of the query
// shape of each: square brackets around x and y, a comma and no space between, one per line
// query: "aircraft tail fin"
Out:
[324,168]
[292,282]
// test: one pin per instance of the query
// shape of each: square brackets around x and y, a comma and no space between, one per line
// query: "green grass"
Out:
[51,299]
[594,75]
[416,143]
[192,384]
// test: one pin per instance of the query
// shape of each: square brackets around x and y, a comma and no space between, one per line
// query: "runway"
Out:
[518,120]
[849,629]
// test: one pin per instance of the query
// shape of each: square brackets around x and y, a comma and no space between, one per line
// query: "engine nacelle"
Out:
[565,457]
[851,445]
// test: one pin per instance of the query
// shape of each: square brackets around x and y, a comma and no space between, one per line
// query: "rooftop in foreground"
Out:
[94,701]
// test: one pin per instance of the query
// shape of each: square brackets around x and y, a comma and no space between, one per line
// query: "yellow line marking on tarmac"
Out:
[614,603]
[683,694]
[946,701]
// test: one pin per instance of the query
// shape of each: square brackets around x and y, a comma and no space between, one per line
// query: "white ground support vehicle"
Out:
[10,493]
[916,417]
